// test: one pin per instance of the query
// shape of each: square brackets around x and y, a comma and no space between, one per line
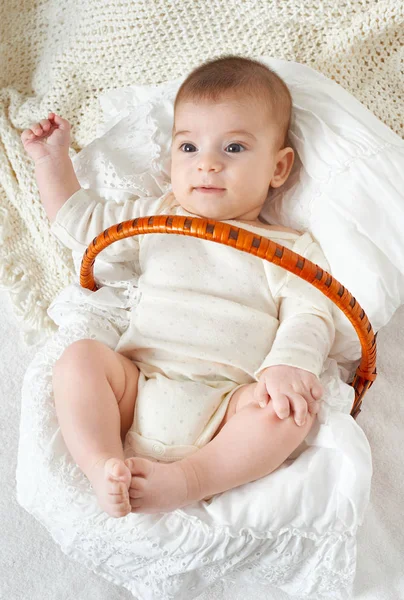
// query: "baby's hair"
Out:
[236,76]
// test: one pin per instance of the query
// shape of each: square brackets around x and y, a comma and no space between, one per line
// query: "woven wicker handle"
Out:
[223,233]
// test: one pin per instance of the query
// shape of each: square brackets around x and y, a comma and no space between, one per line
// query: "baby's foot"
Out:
[110,479]
[157,487]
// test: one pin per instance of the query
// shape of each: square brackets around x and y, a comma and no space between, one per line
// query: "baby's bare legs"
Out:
[95,392]
[251,443]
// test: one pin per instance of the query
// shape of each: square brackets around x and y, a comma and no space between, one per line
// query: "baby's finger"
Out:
[26,135]
[45,124]
[61,123]
[281,405]
[300,408]
[260,393]
[37,129]
[317,390]
[313,406]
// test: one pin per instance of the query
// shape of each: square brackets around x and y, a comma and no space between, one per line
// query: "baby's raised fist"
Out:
[47,139]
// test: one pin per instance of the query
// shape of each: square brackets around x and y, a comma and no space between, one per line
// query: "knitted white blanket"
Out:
[62,56]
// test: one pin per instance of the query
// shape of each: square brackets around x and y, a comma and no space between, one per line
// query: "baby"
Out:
[216,380]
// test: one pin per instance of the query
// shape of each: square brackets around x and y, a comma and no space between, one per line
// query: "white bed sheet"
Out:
[32,565]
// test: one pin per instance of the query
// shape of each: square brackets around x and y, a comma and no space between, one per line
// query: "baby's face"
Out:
[230,145]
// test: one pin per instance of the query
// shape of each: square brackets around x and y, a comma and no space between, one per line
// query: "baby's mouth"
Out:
[209,190]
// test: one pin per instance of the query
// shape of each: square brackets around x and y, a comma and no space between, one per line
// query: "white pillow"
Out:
[346,186]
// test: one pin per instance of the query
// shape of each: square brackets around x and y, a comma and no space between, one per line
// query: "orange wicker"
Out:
[223,233]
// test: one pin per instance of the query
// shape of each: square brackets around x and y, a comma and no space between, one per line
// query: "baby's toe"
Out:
[135,505]
[137,493]
[118,493]
[131,463]
[142,467]
[136,489]
[118,511]
[116,470]
[118,499]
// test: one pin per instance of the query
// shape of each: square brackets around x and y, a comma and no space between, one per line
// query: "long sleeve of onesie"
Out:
[85,215]
[306,328]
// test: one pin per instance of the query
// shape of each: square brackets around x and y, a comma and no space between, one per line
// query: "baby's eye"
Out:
[237,145]
[187,144]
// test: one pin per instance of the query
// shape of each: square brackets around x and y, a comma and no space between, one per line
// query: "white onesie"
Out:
[207,319]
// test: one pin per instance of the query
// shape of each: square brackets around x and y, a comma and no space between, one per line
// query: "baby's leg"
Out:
[251,444]
[95,392]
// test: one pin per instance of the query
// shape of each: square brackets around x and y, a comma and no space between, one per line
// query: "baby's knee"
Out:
[77,356]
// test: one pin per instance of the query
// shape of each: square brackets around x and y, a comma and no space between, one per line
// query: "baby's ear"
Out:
[284,164]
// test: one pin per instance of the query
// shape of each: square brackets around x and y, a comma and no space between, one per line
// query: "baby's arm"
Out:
[77,215]
[289,374]
[47,143]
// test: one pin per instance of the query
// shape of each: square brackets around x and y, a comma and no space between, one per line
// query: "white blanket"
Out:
[295,529]
[30,559]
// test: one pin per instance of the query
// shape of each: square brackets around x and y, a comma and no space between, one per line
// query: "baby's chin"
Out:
[216,213]
[213,215]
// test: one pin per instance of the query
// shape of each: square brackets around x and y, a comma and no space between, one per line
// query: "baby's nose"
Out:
[209,162]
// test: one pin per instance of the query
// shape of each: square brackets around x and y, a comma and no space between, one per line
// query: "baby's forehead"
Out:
[240,102]
[240,112]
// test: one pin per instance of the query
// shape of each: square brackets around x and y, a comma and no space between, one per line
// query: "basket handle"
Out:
[246,241]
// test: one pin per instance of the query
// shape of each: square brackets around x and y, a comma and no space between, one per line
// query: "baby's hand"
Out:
[48,138]
[289,387]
